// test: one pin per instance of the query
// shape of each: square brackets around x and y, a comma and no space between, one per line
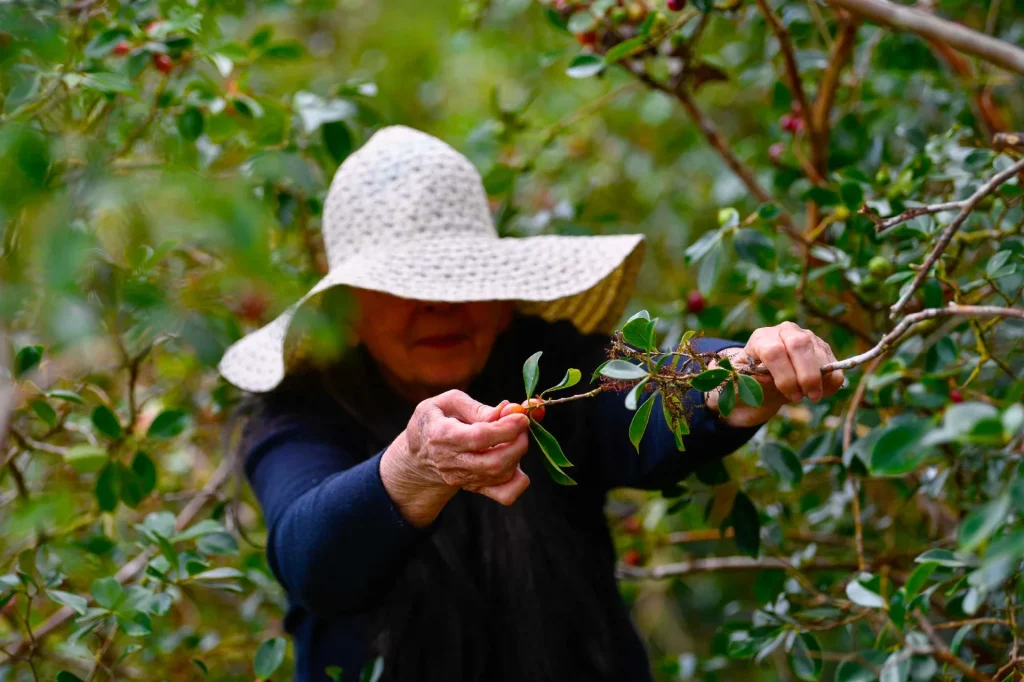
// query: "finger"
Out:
[508,492]
[834,381]
[495,464]
[499,410]
[772,352]
[803,353]
[512,408]
[482,435]
[460,406]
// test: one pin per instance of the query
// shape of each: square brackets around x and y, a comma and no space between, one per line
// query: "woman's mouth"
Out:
[442,342]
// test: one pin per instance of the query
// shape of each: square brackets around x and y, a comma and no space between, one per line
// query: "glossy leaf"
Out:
[168,424]
[983,522]
[633,396]
[548,444]
[805,658]
[108,486]
[571,378]
[862,596]
[750,390]
[105,421]
[727,399]
[86,458]
[72,601]
[709,379]
[269,657]
[531,373]
[638,425]
[621,369]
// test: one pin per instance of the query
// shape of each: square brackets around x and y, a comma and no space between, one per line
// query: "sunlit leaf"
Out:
[571,378]
[269,657]
[622,369]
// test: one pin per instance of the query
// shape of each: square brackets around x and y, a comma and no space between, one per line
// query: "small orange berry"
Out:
[632,557]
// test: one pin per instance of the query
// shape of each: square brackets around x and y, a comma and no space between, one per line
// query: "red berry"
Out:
[254,304]
[122,48]
[631,525]
[792,123]
[163,63]
[956,396]
[776,151]
[695,302]
[587,38]
[675,5]
[632,557]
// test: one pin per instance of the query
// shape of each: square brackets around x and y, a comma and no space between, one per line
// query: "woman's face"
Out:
[425,347]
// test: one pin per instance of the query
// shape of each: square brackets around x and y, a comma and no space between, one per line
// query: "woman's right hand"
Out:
[454,442]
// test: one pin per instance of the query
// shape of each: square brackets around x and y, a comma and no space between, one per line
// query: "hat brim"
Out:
[587,280]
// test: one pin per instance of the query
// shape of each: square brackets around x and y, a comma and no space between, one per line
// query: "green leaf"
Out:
[584,66]
[983,522]
[782,462]
[108,486]
[548,444]
[625,49]
[284,50]
[751,392]
[86,458]
[65,676]
[269,657]
[582,21]
[531,373]
[942,557]
[622,369]
[105,421]
[107,592]
[709,379]
[73,601]
[337,140]
[557,475]
[106,82]
[26,359]
[639,423]
[727,399]
[197,530]
[136,625]
[897,451]
[102,44]
[639,331]
[69,396]
[190,124]
[852,195]
[145,470]
[754,247]
[571,378]
[919,577]
[131,487]
[747,524]
[222,573]
[862,596]
[44,411]
[805,658]
[633,397]
[168,424]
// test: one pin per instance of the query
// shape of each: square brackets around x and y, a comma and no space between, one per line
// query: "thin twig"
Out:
[725,565]
[789,57]
[819,125]
[944,655]
[947,234]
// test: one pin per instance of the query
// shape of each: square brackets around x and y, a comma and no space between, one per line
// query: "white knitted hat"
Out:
[406,214]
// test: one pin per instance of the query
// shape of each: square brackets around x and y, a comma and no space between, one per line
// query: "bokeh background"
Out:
[162,170]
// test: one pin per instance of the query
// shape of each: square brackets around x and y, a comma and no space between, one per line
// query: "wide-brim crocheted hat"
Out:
[407,214]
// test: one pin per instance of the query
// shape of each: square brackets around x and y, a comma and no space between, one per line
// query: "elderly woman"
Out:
[408,515]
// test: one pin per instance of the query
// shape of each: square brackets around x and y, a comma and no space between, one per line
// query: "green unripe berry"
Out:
[880,267]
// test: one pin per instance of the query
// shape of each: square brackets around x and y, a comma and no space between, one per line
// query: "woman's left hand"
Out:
[794,357]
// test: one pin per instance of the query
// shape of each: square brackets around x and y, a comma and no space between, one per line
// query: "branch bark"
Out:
[955,35]
[725,565]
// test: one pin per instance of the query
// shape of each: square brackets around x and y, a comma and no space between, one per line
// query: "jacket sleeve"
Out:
[659,464]
[334,536]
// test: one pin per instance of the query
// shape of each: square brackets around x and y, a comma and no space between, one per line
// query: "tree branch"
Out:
[820,128]
[789,57]
[725,565]
[966,206]
[960,37]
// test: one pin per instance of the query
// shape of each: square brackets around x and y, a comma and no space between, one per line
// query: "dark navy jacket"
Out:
[336,541]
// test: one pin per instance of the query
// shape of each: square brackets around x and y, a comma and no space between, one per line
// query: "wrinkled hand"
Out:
[794,357]
[453,442]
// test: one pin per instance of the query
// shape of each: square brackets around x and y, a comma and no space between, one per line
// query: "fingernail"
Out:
[814,395]
[796,397]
